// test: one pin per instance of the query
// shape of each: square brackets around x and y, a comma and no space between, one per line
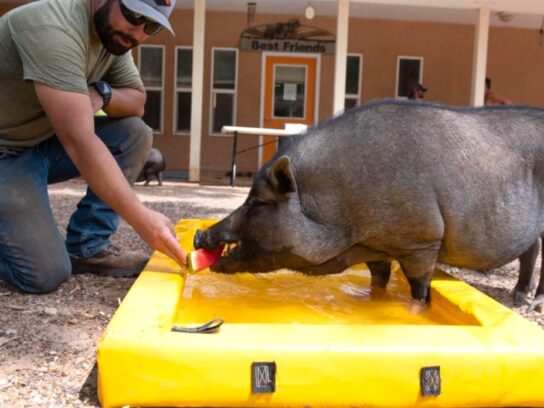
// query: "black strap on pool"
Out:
[210,327]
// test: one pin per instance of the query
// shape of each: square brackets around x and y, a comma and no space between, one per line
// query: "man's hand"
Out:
[157,230]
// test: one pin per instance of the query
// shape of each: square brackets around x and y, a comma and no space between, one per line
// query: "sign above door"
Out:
[287,37]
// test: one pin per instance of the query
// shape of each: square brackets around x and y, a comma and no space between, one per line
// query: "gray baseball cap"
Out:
[156,10]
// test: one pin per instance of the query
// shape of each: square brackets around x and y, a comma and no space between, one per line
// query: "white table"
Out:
[235,130]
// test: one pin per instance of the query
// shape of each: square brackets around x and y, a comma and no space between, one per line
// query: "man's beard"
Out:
[106,32]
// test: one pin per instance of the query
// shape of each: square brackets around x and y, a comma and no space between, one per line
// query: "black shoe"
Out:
[111,262]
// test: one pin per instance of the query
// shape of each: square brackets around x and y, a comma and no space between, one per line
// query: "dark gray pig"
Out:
[393,180]
[153,167]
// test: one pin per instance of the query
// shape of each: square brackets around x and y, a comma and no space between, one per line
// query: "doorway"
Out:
[289,95]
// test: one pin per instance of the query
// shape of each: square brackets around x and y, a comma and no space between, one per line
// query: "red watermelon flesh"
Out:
[203,258]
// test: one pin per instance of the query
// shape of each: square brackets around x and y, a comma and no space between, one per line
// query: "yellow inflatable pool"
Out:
[289,340]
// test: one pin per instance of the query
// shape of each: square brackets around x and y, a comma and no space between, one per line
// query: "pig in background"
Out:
[394,180]
[153,167]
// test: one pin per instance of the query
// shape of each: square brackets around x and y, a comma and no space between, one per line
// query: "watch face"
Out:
[103,88]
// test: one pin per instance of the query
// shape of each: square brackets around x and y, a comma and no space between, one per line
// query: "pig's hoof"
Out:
[377,293]
[417,307]
[536,305]
[520,298]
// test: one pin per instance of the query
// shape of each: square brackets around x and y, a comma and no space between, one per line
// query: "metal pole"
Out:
[233,168]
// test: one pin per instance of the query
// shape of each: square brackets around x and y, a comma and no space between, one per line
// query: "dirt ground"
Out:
[48,342]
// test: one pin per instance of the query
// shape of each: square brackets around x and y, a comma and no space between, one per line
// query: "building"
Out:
[264,63]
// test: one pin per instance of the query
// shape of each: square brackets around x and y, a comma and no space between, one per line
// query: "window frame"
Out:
[420,79]
[177,89]
[359,80]
[155,88]
[303,118]
[213,91]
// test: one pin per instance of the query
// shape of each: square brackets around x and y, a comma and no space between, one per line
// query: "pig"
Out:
[395,180]
[153,167]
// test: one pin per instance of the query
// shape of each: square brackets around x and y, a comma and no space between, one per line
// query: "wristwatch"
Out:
[104,90]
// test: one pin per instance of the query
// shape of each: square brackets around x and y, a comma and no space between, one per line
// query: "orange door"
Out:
[289,95]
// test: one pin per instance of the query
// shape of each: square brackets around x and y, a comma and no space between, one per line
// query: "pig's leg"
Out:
[538,302]
[420,287]
[159,178]
[526,282]
[419,269]
[381,272]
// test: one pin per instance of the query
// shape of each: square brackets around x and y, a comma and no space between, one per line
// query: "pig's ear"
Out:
[281,179]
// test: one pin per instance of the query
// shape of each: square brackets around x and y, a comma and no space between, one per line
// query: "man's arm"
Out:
[71,115]
[501,100]
[493,99]
[124,102]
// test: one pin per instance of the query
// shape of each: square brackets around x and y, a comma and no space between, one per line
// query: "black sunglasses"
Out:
[150,27]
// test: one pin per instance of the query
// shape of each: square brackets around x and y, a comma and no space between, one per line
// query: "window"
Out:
[224,64]
[184,82]
[353,80]
[289,91]
[152,72]
[409,72]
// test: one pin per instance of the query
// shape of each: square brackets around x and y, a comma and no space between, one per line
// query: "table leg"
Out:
[233,167]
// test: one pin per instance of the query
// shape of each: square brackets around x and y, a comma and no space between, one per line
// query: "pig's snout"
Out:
[213,238]
[206,240]
[198,241]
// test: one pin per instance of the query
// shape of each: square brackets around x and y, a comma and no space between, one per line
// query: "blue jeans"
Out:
[34,255]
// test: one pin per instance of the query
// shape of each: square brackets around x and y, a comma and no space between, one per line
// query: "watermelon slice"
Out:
[203,258]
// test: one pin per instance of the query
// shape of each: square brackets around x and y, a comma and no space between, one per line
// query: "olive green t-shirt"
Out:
[50,41]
